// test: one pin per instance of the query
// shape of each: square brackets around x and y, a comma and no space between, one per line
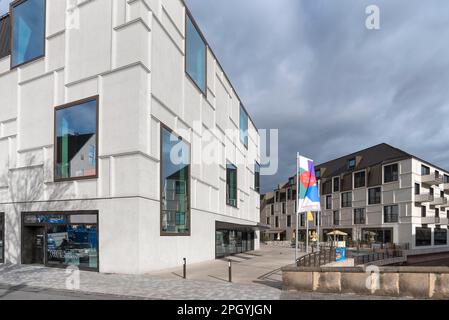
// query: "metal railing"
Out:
[377,256]
[318,258]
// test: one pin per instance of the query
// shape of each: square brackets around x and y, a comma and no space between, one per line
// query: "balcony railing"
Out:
[424,198]
[446,187]
[430,220]
[432,179]
[439,202]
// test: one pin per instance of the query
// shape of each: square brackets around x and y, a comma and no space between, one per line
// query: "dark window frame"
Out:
[161,184]
[362,172]
[349,165]
[417,189]
[390,215]
[423,211]
[423,242]
[55,138]
[188,15]
[336,222]
[328,203]
[45,225]
[289,221]
[334,184]
[375,202]
[344,201]
[393,177]
[437,241]
[361,218]
[257,177]
[11,6]
[425,170]
[228,203]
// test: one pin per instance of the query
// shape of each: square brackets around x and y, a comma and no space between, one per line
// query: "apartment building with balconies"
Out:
[124,147]
[379,195]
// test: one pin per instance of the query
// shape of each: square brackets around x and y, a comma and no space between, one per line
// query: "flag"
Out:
[310,216]
[308,196]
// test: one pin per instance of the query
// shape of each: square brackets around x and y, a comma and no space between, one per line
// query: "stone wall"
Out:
[416,282]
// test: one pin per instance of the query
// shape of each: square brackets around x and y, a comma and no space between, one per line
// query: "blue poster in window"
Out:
[340,254]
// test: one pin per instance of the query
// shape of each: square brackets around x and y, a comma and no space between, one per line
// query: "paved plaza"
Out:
[256,276]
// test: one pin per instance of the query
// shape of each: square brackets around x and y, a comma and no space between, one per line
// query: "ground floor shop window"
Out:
[377,235]
[229,242]
[61,239]
[2,237]
[423,237]
[440,237]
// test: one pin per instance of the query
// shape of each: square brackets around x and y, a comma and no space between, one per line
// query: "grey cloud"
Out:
[312,69]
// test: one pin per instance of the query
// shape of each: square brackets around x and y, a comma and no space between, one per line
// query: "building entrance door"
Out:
[33,245]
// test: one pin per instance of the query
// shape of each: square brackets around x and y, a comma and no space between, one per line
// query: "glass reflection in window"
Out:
[72,245]
[28,31]
[175,184]
[231,185]
[76,141]
[195,55]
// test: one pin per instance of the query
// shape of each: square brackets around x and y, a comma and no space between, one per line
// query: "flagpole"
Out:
[297,207]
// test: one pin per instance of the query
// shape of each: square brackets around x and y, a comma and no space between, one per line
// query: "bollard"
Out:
[230,270]
[184,269]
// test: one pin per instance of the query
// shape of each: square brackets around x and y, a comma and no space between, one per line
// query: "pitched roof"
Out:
[381,153]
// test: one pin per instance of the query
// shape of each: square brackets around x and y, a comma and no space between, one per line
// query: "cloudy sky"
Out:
[312,69]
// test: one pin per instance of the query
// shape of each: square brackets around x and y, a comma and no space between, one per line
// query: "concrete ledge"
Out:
[415,282]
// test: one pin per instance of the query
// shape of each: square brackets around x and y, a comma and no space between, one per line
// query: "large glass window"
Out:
[73,245]
[175,173]
[28,31]
[346,200]
[257,177]
[440,237]
[76,140]
[359,216]
[359,179]
[391,173]
[195,55]
[423,237]
[243,126]
[374,195]
[391,214]
[70,239]
[231,185]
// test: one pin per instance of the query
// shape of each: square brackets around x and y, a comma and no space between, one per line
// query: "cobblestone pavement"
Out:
[31,282]
[149,287]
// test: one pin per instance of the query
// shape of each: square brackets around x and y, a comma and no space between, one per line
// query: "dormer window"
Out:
[318,174]
[351,164]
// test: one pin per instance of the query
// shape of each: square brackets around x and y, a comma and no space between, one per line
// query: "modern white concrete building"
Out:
[124,148]
[377,195]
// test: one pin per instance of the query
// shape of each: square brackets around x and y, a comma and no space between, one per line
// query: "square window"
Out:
[374,195]
[391,173]
[76,140]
